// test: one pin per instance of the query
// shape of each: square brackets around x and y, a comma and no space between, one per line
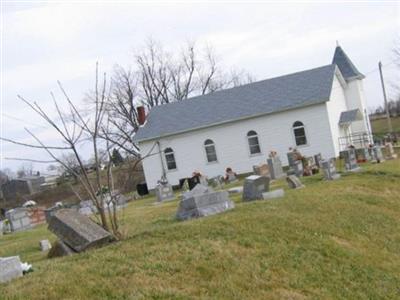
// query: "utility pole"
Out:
[385,99]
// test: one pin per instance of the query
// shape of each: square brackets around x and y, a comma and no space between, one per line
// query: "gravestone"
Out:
[298,168]
[279,193]
[390,154]
[60,249]
[275,167]
[254,186]
[19,219]
[1,228]
[120,200]
[44,245]
[193,181]
[10,268]
[329,169]
[202,201]
[216,182]
[294,182]
[292,157]
[350,160]
[164,192]
[231,178]
[78,231]
[317,159]
[377,154]
[262,170]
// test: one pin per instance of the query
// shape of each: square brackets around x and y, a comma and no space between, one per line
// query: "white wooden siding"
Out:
[274,133]
[335,106]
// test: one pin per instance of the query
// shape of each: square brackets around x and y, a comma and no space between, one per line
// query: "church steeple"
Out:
[346,67]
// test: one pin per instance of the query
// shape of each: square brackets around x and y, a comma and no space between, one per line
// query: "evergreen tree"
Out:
[116,157]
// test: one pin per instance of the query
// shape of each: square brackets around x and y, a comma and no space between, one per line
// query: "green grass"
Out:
[380,126]
[330,240]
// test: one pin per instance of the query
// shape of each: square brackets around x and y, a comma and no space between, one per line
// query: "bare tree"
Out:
[73,129]
[158,77]
[26,169]
[121,112]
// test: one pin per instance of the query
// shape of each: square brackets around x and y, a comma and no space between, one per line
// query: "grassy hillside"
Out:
[379,126]
[330,240]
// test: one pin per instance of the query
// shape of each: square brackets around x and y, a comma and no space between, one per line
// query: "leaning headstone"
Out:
[202,201]
[254,186]
[350,160]
[60,249]
[10,268]
[275,167]
[390,154]
[164,192]
[78,231]
[44,245]
[329,169]
[19,219]
[262,170]
[279,193]
[294,182]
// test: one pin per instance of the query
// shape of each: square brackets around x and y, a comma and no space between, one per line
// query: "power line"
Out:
[21,120]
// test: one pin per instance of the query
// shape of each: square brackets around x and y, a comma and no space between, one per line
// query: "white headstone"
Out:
[164,192]
[45,245]
[10,268]
[329,169]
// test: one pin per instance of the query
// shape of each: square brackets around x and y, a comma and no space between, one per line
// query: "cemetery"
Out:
[309,219]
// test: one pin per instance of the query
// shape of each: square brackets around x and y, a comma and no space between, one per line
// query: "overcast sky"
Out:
[42,43]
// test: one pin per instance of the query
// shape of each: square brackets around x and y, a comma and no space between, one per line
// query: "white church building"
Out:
[321,110]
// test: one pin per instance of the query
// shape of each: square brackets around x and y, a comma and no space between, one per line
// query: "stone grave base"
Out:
[235,190]
[202,202]
[333,177]
[60,249]
[273,194]
[358,169]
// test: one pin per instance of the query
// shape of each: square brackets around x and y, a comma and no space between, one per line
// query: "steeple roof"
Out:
[346,67]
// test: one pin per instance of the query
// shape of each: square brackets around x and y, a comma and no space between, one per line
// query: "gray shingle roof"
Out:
[259,98]
[349,116]
[346,67]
